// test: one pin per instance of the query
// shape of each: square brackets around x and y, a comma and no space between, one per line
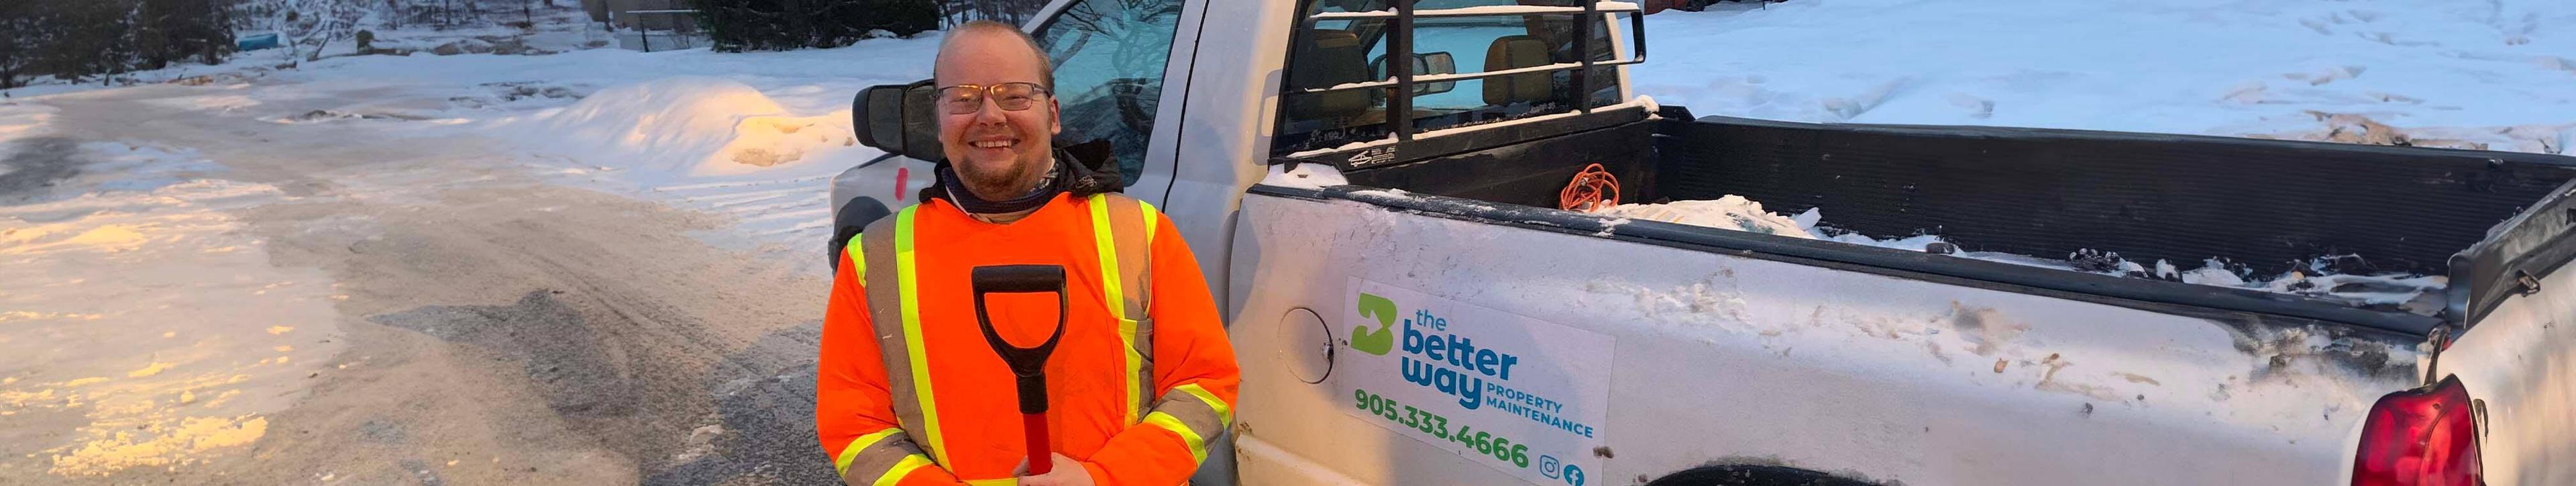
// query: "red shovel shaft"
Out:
[1040,461]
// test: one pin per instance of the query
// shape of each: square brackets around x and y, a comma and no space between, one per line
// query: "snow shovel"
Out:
[1029,364]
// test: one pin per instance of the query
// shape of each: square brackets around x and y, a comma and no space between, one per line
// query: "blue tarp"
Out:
[256,42]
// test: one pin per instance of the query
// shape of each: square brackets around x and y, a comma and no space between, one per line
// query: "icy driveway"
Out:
[201,295]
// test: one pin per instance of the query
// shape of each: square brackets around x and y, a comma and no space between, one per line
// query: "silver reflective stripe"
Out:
[886,247]
[1198,408]
[879,458]
[1194,414]
[1120,231]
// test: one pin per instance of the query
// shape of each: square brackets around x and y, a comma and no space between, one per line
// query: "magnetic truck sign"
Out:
[1518,394]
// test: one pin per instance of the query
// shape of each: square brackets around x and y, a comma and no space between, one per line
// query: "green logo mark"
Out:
[1382,340]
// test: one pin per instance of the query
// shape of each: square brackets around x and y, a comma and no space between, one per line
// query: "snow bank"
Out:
[241,66]
[2412,293]
[706,144]
[673,128]
[754,137]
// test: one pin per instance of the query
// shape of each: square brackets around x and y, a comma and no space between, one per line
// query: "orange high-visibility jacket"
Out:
[910,392]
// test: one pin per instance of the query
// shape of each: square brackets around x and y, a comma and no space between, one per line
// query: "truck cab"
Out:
[1373,188]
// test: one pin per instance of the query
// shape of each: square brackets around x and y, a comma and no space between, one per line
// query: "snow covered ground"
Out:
[754,136]
[135,253]
[2496,74]
[200,271]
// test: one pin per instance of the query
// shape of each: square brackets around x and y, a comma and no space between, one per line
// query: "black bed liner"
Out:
[2182,198]
[2269,205]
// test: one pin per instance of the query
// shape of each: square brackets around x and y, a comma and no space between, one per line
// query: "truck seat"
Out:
[1332,57]
[1513,52]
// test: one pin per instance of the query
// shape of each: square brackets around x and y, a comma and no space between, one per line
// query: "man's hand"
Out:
[1065,472]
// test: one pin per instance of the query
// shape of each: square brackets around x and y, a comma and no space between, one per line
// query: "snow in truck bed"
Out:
[2419,294]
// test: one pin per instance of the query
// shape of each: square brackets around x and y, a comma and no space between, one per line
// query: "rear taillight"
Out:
[2421,437]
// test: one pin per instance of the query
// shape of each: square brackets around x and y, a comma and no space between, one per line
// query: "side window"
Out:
[1340,51]
[1109,57]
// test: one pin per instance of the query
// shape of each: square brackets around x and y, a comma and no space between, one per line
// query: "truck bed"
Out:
[2266,206]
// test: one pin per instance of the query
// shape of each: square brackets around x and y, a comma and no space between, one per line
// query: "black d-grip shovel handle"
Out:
[1029,364]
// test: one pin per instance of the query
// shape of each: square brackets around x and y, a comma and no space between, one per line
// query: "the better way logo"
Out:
[1382,340]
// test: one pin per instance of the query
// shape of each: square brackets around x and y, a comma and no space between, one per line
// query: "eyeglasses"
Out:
[967,98]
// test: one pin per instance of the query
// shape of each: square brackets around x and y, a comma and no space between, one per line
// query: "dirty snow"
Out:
[2412,293]
[138,314]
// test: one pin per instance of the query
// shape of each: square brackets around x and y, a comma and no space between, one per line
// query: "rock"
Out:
[705,435]
[765,158]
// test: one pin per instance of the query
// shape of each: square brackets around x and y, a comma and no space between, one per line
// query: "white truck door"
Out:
[1117,62]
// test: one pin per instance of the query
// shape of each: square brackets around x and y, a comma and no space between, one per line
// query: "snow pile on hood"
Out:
[672,128]
[2419,294]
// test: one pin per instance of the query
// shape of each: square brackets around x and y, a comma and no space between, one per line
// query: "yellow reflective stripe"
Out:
[906,273]
[1115,295]
[1135,365]
[902,469]
[1108,249]
[842,464]
[1198,446]
[1149,224]
[994,482]
[1224,412]
[1136,356]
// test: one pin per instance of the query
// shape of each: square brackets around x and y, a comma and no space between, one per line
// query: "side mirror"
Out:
[1424,65]
[897,118]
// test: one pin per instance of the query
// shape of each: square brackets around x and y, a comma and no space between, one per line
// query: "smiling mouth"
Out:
[991,144]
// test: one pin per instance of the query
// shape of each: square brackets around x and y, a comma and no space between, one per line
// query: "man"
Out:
[910,392]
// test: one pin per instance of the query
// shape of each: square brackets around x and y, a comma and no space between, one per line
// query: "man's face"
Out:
[998,153]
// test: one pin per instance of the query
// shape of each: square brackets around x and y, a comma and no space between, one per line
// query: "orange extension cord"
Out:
[1593,189]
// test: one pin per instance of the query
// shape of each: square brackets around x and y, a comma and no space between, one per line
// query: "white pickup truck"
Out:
[1411,305]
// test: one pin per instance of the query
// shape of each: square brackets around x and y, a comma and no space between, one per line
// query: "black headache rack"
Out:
[1399,87]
